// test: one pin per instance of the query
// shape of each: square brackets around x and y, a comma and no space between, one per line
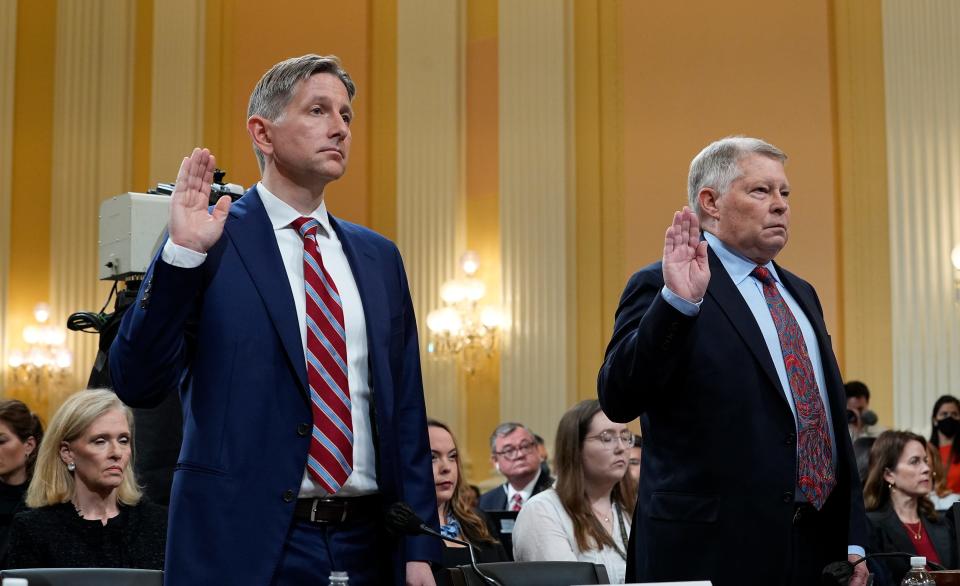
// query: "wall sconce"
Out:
[44,363]
[955,259]
[463,328]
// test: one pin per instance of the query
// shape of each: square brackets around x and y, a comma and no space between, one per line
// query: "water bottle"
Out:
[917,576]
[341,579]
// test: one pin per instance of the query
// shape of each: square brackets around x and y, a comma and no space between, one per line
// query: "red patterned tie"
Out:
[516,502]
[330,459]
[814,449]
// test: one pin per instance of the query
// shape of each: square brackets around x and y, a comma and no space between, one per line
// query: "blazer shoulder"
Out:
[351,230]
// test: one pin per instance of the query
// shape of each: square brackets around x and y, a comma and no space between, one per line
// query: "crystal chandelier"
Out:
[46,360]
[464,329]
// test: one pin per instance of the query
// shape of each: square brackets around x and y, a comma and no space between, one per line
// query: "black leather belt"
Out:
[337,509]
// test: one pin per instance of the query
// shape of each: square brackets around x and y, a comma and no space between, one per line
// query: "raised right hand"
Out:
[191,225]
[686,270]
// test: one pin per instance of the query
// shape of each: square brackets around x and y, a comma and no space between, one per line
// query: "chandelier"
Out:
[464,329]
[45,361]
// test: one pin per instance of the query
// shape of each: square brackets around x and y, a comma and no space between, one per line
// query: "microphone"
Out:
[401,520]
[839,573]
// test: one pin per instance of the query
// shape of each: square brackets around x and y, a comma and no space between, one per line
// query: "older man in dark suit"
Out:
[748,473]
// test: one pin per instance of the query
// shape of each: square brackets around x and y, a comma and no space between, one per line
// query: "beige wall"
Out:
[697,71]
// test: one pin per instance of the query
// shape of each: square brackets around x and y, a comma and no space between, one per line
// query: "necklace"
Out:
[917,533]
[605,517]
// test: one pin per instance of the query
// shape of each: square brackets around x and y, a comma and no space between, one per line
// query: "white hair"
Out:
[716,166]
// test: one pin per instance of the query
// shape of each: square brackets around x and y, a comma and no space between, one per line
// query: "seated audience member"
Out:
[472,500]
[633,464]
[88,510]
[513,451]
[457,520]
[901,516]
[861,451]
[20,434]
[945,434]
[544,455]
[587,516]
[941,496]
[859,416]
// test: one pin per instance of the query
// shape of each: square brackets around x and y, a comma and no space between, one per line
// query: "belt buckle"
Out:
[317,501]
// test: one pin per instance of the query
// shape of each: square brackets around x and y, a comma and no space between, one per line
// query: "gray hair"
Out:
[275,89]
[505,429]
[716,166]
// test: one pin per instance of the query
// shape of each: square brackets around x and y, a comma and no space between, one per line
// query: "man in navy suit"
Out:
[748,473]
[291,337]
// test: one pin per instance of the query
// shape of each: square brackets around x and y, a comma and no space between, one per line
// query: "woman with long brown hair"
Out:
[586,516]
[457,519]
[20,434]
[901,515]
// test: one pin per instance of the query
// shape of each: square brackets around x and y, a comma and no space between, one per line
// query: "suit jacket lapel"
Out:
[940,536]
[895,532]
[252,235]
[365,265]
[731,303]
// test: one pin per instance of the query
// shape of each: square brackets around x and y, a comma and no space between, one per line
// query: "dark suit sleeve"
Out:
[417,471]
[646,350]
[148,358]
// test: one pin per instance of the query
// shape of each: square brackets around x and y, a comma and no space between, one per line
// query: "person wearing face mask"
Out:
[946,429]
[902,517]
[88,509]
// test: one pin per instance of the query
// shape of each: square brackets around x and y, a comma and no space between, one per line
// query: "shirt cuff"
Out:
[856,550]
[685,307]
[180,256]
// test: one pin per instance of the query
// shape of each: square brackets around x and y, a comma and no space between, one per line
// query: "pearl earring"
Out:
[71,466]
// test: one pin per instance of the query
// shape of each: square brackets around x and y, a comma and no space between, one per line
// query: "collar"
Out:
[738,266]
[282,215]
[526,491]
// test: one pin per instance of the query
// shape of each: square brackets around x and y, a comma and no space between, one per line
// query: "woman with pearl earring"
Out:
[88,509]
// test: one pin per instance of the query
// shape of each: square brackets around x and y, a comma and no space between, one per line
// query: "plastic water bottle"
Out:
[341,579]
[918,576]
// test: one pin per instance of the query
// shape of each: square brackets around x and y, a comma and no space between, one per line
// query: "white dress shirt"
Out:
[524,492]
[363,478]
[544,533]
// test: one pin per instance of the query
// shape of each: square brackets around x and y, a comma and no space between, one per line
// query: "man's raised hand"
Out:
[191,224]
[686,271]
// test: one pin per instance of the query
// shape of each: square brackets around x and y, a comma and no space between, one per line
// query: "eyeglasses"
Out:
[511,452]
[607,438]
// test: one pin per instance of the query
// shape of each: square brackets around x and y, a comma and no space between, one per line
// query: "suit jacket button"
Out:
[790,439]
[303,430]
[788,497]
[288,496]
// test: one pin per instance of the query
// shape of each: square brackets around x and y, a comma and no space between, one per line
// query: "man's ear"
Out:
[260,133]
[708,203]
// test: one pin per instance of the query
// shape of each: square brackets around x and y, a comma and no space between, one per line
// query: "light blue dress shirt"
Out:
[739,268]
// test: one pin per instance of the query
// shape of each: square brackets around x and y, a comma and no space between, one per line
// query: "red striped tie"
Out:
[815,476]
[330,459]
